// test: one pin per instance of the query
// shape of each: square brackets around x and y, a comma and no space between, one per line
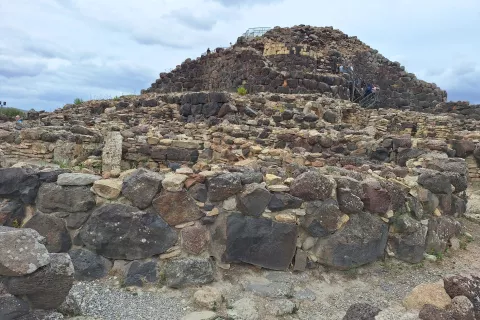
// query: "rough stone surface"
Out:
[361,241]
[18,182]
[431,312]
[208,297]
[260,242]
[22,251]
[176,207]
[427,293]
[140,272]
[174,182]
[462,308]
[76,179]
[244,309]
[440,231]
[119,231]
[89,265]
[348,202]
[108,188]
[189,271]
[311,186]
[281,201]
[361,311]
[53,229]
[253,200]
[12,308]
[435,182]
[47,287]
[195,239]
[224,186]
[280,307]
[323,218]
[409,240]
[141,187]
[52,198]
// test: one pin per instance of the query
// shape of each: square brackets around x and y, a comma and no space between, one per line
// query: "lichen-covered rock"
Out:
[260,242]
[253,200]
[195,238]
[19,183]
[323,218]
[119,231]
[176,207]
[189,271]
[311,186]
[462,308]
[54,229]
[408,241]
[361,311]
[22,251]
[108,188]
[47,287]
[361,241]
[89,265]
[440,231]
[427,293]
[76,179]
[349,202]
[52,197]
[224,186]
[431,312]
[141,187]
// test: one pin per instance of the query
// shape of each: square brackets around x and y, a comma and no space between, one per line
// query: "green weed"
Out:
[241,91]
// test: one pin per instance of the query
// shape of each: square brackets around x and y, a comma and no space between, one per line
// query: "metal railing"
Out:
[255,32]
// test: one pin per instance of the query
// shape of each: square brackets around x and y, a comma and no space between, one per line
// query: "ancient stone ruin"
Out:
[173,187]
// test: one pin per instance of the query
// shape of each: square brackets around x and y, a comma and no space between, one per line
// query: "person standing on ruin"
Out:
[208,50]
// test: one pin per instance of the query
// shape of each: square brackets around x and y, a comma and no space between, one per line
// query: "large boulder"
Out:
[54,230]
[281,201]
[312,186]
[12,308]
[440,231]
[436,182]
[176,207]
[224,186]
[361,241]
[348,201]
[141,187]
[408,241]
[260,242]
[323,218]
[22,251]
[189,271]
[52,197]
[427,293]
[89,265]
[253,200]
[19,183]
[119,231]
[376,199]
[48,287]
[77,179]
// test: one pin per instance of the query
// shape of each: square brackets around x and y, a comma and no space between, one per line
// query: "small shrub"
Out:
[16,224]
[77,101]
[11,112]
[242,91]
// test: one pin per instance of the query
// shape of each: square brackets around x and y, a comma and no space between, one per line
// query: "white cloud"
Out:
[53,51]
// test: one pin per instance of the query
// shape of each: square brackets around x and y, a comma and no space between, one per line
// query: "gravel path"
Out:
[383,284]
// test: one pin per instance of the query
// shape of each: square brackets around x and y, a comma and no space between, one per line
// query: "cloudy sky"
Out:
[53,51]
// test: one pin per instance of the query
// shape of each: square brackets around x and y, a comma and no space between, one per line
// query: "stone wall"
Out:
[276,217]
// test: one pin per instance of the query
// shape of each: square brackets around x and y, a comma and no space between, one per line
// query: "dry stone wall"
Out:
[194,181]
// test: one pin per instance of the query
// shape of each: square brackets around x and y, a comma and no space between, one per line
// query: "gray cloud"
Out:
[186,18]
[239,3]
[150,39]
[13,69]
